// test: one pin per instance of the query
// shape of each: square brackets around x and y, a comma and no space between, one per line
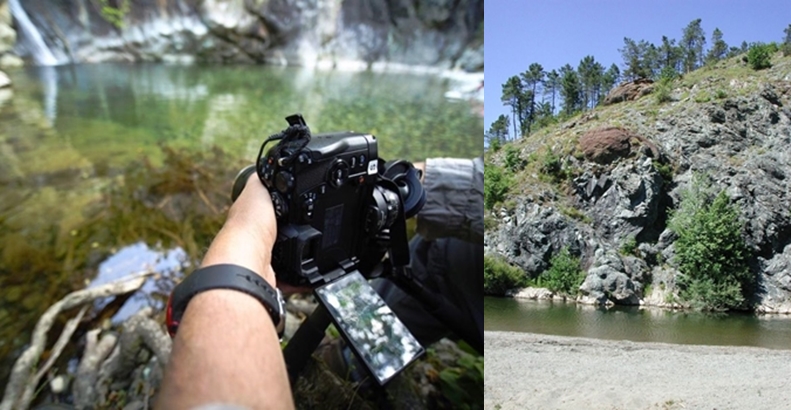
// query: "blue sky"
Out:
[553,33]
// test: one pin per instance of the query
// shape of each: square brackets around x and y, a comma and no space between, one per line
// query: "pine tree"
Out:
[692,43]
[718,47]
[512,97]
[610,78]
[670,56]
[570,89]
[498,132]
[551,86]
[786,46]
[532,78]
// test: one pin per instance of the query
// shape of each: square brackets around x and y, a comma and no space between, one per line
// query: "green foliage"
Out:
[114,15]
[513,162]
[564,274]
[665,171]
[711,253]
[662,91]
[499,276]
[496,184]
[629,247]
[490,222]
[550,164]
[462,385]
[759,55]
[721,94]
[574,213]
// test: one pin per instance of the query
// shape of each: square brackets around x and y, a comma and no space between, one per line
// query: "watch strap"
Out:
[225,276]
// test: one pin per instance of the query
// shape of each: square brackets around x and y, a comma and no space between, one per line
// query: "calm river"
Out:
[109,169]
[635,324]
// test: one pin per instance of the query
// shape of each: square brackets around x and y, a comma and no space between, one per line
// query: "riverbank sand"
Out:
[531,371]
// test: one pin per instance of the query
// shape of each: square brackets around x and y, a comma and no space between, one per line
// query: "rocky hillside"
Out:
[437,33]
[604,183]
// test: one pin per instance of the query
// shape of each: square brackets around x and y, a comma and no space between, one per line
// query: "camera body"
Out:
[332,202]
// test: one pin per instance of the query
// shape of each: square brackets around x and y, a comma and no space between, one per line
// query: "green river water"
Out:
[109,169]
[636,324]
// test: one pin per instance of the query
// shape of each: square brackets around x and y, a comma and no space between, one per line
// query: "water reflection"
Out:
[636,324]
[136,258]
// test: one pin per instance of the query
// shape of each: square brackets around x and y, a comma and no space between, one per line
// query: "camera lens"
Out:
[383,211]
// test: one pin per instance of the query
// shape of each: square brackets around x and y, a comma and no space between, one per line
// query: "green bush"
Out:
[550,164]
[711,253]
[759,55]
[499,276]
[512,159]
[564,274]
[629,246]
[495,185]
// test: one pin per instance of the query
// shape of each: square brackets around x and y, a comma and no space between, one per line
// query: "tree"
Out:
[710,250]
[532,78]
[640,59]
[611,77]
[512,97]
[786,46]
[692,43]
[551,86]
[498,132]
[718,47]
[670,55]
[590,74]
[570,89]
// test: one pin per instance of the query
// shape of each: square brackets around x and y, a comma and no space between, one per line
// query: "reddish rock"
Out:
[605,145]
[629,91]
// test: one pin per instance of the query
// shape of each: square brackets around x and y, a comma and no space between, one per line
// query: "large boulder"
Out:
[609,280]
[629,91]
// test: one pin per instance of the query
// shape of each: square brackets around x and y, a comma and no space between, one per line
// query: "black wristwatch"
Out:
[225,277]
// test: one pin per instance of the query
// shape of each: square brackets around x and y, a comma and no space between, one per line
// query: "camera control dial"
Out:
[284,181]
[338,173]
[281,208]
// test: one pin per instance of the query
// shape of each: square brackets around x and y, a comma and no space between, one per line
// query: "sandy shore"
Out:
[531,371]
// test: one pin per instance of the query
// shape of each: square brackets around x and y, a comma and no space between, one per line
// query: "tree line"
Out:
[538,97]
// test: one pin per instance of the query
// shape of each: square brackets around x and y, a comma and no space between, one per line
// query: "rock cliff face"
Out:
[729,123]
[437,33]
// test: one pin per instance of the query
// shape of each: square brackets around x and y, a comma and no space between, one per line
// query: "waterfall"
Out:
[36,45]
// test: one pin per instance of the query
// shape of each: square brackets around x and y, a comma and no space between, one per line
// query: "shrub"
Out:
[629,246]
[564,274]
[550,164]
[512,160]
[499,276]
[495,185]
[711,253]
[759,55]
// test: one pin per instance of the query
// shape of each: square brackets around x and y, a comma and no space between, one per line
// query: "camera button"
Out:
[338,173]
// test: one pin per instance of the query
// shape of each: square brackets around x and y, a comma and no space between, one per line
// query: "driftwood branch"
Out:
[21,372]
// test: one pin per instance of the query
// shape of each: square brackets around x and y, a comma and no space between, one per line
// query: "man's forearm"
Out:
[238,362]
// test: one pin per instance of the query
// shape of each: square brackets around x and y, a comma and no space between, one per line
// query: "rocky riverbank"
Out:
[605,183]
[531,371]
[439,34]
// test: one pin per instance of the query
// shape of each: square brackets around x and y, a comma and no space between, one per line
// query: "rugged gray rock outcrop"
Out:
[437,33]
[740,143]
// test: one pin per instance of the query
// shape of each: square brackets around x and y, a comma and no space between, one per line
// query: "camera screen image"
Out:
[376,334]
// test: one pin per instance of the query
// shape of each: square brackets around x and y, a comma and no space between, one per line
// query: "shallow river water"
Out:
[112,168]
[636,324]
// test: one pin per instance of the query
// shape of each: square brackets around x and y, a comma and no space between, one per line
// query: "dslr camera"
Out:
[335,201]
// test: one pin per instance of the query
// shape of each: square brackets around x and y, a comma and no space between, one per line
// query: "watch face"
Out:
[375,333]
